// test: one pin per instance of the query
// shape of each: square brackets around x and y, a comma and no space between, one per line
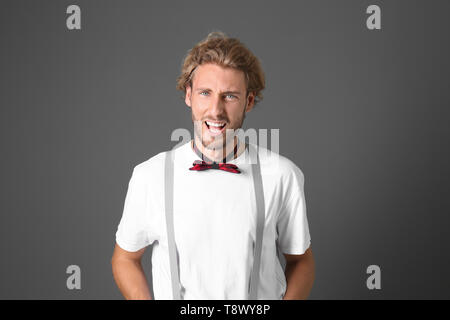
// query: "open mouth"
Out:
[215,127]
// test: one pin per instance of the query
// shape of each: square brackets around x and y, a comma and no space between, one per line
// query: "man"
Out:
[213,210]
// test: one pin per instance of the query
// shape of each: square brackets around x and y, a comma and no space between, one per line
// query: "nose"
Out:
[217,109]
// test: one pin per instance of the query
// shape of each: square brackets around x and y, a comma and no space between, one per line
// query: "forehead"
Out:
[213,76]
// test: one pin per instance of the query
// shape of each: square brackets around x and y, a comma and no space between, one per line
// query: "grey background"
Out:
[363,113]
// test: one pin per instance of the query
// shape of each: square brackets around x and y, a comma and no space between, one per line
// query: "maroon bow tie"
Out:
[200,165]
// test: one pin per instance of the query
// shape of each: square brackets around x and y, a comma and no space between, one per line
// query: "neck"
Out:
[218,155]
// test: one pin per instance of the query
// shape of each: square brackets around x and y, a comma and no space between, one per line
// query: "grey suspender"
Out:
[169,225]
[260,210]
[260,217]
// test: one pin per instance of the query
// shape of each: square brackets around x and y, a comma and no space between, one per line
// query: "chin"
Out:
[213,143]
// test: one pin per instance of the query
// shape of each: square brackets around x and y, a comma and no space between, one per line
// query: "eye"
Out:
[230,95]
[201,93]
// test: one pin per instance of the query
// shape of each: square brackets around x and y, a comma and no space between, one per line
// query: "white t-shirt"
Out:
[214,214]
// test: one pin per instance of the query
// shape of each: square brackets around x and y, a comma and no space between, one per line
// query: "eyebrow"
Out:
[224,92]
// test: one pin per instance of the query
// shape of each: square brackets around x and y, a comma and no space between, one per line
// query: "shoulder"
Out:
[274,163]
[154,166]
[150,168]
[149,164]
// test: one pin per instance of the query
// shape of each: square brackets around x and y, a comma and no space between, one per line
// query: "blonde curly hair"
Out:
[224,51]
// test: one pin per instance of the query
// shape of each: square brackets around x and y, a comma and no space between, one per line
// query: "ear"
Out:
[250,101]
[187,98]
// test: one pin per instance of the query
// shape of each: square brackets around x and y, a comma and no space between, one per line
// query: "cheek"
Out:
[198,106]
[235,113]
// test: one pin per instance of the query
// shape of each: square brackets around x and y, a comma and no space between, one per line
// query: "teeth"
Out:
[214,124]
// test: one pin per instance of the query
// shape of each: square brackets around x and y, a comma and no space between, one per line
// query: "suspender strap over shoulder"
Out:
[260,211]
[168,188]
[260,217]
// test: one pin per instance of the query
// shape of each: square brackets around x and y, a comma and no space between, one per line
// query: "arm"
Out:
[299,275]
[129,275]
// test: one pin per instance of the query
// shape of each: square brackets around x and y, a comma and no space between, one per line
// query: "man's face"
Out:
[217,97]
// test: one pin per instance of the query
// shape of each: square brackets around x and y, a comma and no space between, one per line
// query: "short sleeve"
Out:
[133,230]
[292,223]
